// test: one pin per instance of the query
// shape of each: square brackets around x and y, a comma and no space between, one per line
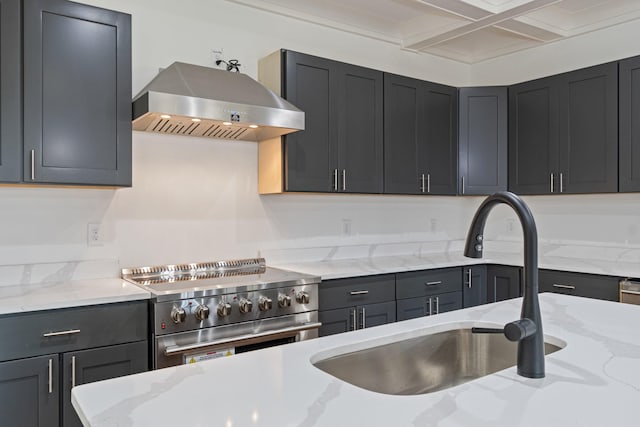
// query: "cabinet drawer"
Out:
[428,282]
[56,331]
[579,284]
[356,291]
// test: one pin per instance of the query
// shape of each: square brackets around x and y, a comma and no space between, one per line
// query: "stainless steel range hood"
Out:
[191,100]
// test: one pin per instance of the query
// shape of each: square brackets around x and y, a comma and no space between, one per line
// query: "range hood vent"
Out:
[192,100]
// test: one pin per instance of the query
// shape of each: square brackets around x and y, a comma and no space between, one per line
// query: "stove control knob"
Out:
[264,303]
[178,315]
[224,309]
[284,300]
[302,297]
[202,312]
[245,305]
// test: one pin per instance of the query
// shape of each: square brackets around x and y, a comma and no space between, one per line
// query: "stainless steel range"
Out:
[208,310]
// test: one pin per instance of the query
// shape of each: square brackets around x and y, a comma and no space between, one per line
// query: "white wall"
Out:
[196,199]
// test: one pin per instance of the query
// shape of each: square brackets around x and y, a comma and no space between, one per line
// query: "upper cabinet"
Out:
[629,126]
[77,94]
[340,149]
[420,140]
[482,140]
[563,133]
[10,84]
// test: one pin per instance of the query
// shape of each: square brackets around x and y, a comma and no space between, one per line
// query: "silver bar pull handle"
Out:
[335,180]
[557,285]
[439,282]
[437,305]
[551,180]
[354,320]
[428,183]
[561,183]
[364,322]
[33,165]
[59,333]
[462,184]
[430,311]
[344,180]
[358,292]
[50,376]
[73,371]
[469,278]
[422,185]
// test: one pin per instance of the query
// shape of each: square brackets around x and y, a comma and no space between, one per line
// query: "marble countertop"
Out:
[343,268]
[64,294]
[593,381]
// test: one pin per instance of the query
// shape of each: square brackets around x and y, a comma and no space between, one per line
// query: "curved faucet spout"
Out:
[531,347]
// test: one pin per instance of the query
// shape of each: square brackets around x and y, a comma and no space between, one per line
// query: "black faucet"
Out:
[528,330]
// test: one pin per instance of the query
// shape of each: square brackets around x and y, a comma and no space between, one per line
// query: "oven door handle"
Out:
[242,339]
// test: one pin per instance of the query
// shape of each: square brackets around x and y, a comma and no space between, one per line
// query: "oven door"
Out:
[219,341]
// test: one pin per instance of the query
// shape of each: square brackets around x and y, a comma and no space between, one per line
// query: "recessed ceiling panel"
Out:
[464,30]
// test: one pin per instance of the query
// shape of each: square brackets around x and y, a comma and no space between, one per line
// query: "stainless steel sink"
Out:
[427,363]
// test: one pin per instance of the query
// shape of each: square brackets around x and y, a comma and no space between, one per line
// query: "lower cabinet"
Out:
[45,353]
[474,285]
[356,303]
[503,282]
[579,284]
[27,393]
[429,292]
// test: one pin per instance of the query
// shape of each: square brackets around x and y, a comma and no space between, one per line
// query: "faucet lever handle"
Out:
[513,331]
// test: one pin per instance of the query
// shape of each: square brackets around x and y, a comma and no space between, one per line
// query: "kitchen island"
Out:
[593,381]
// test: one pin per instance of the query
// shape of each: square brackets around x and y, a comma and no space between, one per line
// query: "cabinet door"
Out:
[337,321]
[482,139]
[474,290]
[312,84]
[446,302]
[87,366]
[77,94]
[29,392]
[629,126]
[579,284]
[10,93]
[438,150]
[411,308]
[402,115]
[533,136]
[588,157]
[360,130]
[503,283]
[356,291]
[376,314]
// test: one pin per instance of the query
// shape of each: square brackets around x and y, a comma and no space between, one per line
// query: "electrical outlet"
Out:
[433,224]
[510,223]
[217,55]
[94,236]
[346,227]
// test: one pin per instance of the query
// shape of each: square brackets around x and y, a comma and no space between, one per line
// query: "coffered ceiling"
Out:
[464,30]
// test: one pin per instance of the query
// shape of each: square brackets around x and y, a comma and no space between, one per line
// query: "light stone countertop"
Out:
[593,381]
[64,294]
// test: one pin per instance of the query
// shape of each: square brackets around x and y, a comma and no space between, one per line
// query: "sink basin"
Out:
[427,363]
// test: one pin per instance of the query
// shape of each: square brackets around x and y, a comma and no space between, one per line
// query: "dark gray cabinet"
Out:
[474,290]
[579,284]
[429,292]
[356,303]
[340,149]
[29,394]
[629,125]
[563,133]
[503,282]
[482,140]
[420,137]
[77,94]
[45,353]
[10,92]
[588,157]
[97,364]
